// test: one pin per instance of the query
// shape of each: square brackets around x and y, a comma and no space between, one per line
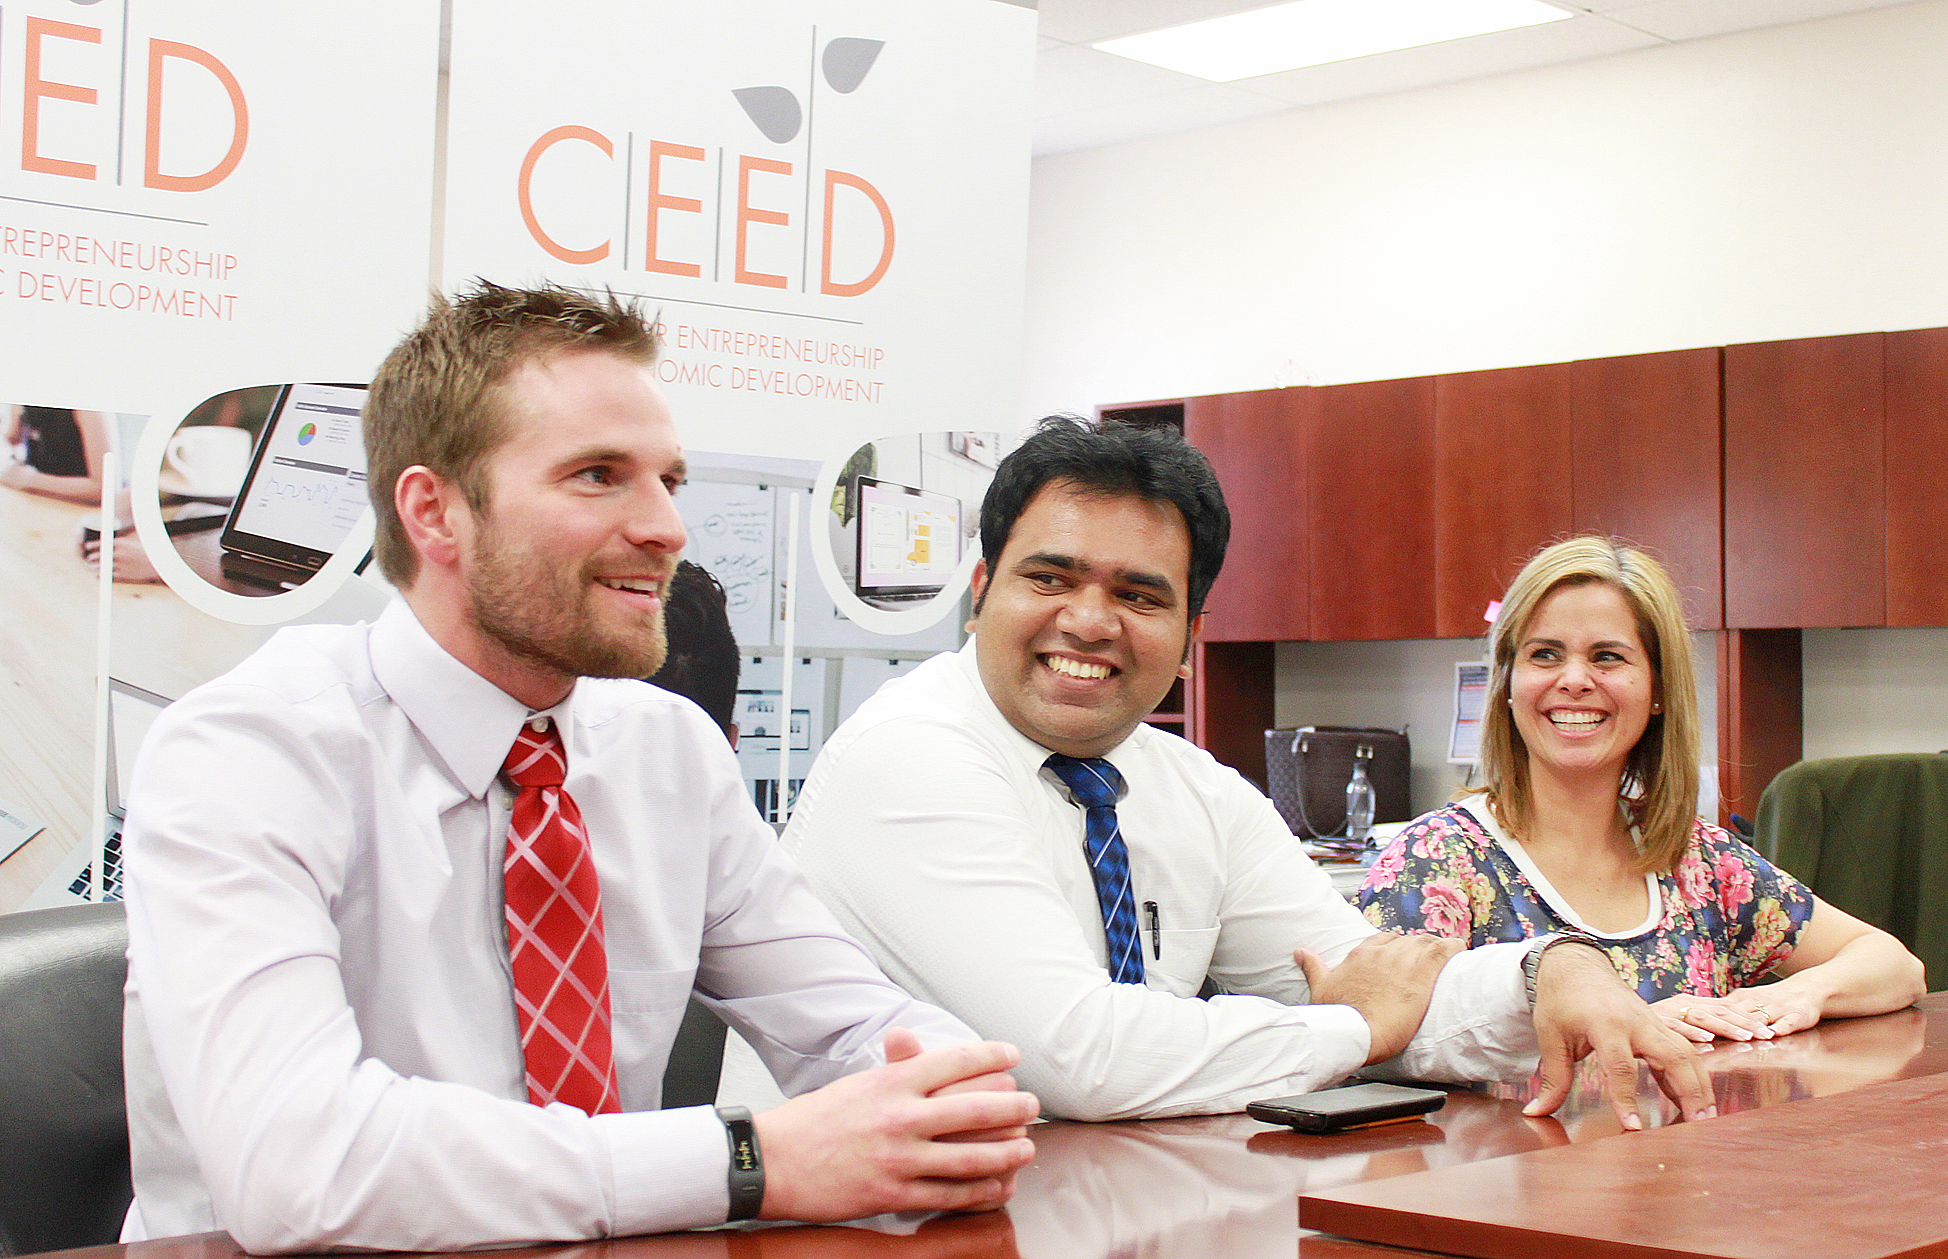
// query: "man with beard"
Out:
[415,906]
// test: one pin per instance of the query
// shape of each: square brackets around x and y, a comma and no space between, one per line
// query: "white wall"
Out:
[1777,183]
[1875,691]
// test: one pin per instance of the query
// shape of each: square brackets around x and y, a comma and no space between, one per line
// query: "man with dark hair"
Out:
[1012,841]
[415,906]
[702,664]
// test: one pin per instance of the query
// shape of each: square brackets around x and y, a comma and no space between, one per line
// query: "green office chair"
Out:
[64,1149]
[1869,834]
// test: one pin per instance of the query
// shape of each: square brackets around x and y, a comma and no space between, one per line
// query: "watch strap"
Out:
[746,1163]
[1532,960]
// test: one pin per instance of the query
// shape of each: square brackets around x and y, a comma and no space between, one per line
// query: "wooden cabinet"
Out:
[1917,476]
[1646,442]
[1371,474]
[1256,442]
[1760,714]
[1501,484]
[1785,484]
[1805,529]
[1231,703]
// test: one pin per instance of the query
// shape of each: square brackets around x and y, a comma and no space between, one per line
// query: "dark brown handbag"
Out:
[1308,769]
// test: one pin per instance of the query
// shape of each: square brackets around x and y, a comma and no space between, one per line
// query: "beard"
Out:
[543,614]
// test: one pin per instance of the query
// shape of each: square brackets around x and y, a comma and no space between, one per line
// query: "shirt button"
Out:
[539,725]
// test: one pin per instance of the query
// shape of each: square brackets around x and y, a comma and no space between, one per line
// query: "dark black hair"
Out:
[702,662]
[1153,464]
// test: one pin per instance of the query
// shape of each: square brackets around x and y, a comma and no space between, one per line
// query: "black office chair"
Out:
[64,1148]
[696,1059]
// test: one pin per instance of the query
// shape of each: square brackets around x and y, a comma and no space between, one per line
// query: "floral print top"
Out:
[1722,919]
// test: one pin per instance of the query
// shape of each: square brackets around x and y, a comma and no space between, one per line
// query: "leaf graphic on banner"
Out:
[774,109]
[847,60]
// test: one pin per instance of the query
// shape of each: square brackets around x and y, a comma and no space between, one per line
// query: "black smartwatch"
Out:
[1532,960]
[746,1164]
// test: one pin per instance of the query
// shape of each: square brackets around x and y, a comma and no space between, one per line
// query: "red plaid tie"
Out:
[554,934]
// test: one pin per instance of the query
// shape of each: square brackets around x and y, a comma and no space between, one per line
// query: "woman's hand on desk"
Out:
[1839,967]
[1743,1014]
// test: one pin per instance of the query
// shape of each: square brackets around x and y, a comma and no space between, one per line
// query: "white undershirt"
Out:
[1556,900]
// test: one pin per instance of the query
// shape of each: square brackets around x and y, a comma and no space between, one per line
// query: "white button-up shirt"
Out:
[322,1048]
[931,827]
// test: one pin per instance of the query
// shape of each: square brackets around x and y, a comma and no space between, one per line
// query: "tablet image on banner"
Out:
[909,542]
[304,491]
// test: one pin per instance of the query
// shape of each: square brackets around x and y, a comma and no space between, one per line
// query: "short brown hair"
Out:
[433,401]
[1660,779]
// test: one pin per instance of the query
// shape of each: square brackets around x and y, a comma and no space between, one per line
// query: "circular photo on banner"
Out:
[902,525]
[257,496]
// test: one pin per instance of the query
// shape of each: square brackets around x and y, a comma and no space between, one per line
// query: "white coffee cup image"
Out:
[206,460]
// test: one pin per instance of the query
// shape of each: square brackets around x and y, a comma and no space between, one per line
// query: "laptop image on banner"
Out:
[131,711]
[909,542]
[304,491]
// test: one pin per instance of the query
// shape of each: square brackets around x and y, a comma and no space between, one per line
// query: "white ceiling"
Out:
[1085,98]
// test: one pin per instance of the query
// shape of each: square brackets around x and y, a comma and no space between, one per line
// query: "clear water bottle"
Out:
[1359,797]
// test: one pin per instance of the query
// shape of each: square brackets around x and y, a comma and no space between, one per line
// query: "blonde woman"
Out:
[1585,821]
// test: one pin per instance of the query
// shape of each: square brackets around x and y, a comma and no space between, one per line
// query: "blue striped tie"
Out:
[1095,784]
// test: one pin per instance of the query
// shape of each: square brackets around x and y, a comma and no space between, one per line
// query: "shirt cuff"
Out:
[1344,1036]
[670,1169]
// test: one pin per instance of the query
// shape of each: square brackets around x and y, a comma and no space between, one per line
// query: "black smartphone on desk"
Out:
[1354,1106]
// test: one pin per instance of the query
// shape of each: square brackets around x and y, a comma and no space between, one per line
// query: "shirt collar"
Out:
[968,664]
[467,721]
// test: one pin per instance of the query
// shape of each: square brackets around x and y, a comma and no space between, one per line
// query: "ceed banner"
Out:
[824,202]
[202,194]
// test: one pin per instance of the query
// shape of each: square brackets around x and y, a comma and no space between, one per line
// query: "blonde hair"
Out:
[436,399]
[1660,778]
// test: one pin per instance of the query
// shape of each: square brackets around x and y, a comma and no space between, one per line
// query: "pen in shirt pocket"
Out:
[1156,930]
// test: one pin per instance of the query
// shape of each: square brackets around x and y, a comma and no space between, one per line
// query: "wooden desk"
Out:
[47,696]
[1228,1186]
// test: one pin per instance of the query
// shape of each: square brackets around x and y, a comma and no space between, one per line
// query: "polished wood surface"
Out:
[1227,1185]
[47,636]
[1917,468]
[1256,444]
[1751,1186]
[1371,483]
[1805,528]
[1646,437]
[1502,483]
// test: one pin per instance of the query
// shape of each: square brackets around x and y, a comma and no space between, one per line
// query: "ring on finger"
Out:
[1762,1012]
[1684,1014]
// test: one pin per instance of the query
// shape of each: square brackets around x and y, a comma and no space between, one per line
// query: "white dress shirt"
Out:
[930,826]
[320,1031]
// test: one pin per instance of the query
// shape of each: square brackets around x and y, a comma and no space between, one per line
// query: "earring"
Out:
[1656,708]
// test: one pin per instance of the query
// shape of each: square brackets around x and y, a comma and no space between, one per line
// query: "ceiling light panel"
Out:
[1315,32]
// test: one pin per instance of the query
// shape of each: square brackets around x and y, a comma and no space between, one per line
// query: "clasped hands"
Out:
[932,1130]
[1581,1009]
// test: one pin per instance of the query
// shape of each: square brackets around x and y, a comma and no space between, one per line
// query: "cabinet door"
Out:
[1230,700]
[1502,483]
[1805,531]
[1917,476]
[1371,473]
[1256,442]
[1646,435]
